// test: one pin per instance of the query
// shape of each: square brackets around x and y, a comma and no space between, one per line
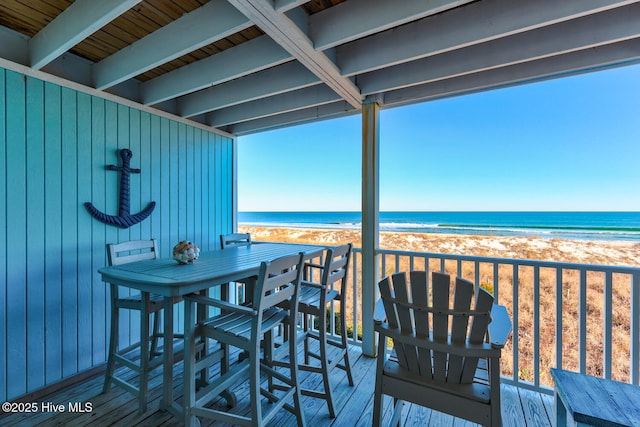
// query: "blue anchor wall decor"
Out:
[124,219]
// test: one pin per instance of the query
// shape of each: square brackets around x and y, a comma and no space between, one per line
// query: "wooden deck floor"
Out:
[520,407]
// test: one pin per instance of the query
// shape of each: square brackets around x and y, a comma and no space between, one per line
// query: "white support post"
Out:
[370,222]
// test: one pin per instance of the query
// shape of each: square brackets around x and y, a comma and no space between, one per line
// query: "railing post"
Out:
[370,222]
[635,329]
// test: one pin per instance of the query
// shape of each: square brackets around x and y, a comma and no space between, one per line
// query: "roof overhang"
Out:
[245,66]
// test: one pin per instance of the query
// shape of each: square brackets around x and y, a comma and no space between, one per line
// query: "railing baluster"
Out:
[383,269]
[427,267]
[635,329]
[608,324]
[559,317]
[496,281]
[514,289]
[582,330]
[536,326]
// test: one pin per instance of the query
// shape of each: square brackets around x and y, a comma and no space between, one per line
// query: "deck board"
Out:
[354,405]
[535,412]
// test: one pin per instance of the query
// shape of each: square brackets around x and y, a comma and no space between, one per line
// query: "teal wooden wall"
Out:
[54,145]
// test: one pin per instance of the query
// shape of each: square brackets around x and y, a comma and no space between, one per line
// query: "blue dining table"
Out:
[169,279]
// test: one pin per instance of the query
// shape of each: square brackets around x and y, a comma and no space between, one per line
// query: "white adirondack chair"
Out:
[447,357]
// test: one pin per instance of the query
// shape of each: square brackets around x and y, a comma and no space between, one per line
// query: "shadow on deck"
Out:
[354,405]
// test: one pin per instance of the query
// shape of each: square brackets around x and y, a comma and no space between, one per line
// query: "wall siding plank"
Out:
[53,234]
[3,239]
[35,233]
[219,181]
[127,331]
[16,226]
[69,220]
[110,204]
[54,145]
[202,154]
[165,187]
[135,232]
[183,221]
[155,149]
[84,243]
[99,293]
[174,185]
[190,182]
[146,173]
[196,186]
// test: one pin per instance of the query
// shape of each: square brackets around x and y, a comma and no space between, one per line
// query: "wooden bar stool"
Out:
[243,327]
[147,305]
[315,297]
[245,286]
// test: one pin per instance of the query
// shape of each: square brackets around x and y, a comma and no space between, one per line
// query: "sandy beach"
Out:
[618,253]
[609,252]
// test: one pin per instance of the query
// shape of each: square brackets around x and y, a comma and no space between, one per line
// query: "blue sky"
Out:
[564,144]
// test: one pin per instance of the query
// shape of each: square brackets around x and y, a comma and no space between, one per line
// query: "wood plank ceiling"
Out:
[245,66]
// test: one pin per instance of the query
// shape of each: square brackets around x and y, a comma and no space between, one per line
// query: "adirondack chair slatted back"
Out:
[436,324]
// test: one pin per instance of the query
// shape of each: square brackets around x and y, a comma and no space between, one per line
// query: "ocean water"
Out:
[568,225]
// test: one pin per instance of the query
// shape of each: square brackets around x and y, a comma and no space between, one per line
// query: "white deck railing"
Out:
[580,317]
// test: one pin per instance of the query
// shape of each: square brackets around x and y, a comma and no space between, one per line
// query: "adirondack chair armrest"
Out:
[379,315]
[500,326]
[223,305]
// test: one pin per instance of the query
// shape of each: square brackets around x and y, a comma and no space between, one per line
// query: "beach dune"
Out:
[602,252]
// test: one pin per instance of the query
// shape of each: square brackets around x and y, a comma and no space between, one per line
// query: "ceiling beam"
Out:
[626,52]
[249,57]
[346,22]
[205,72]
[611,55]
[78,21]
[465,26]
[211,22]
[307,115]
[286,5]
[286,33]
[586,32]
[274,81]
[289,101]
